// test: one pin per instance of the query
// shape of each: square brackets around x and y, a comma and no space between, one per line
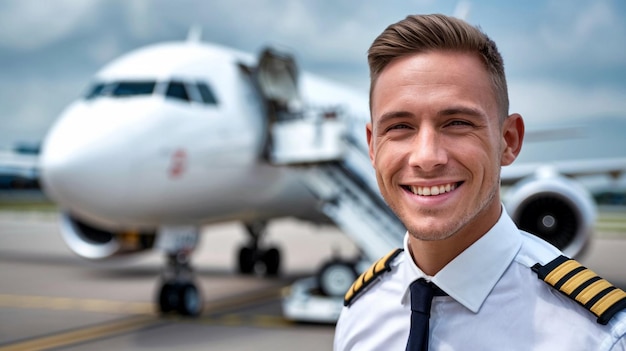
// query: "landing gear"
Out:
[182,298]
[178,292]
[251,255]
[335,277]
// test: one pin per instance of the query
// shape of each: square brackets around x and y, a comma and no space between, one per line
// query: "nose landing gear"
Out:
[178,292]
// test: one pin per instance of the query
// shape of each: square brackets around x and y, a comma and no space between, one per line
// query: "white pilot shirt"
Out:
[495,302]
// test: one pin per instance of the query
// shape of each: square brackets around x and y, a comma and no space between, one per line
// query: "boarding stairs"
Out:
[321,146]
[337,170]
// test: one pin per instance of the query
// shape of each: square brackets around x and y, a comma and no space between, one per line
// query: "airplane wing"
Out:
[18,170]
[613,167]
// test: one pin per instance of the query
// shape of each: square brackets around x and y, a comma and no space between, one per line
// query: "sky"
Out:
[564,60]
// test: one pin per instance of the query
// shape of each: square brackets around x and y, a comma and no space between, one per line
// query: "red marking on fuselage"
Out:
[178,164]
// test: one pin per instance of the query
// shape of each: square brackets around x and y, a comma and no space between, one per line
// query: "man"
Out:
[440,131]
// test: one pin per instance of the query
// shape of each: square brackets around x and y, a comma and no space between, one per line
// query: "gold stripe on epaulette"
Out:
[584,286]
[577,281]
[367,277]
[608,300]
[559,272]
[369,274]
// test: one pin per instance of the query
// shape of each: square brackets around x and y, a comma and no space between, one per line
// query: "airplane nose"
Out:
[84,164]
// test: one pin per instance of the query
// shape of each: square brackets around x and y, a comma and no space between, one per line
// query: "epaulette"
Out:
[584,286]
[369,276]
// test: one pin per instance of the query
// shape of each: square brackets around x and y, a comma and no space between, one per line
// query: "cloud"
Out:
[139,18]
[577,29]
[562,58]
[585,36]
[549,100]
[31,105]
[26,25]
[103,49]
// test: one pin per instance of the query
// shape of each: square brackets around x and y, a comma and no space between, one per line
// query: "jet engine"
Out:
[554,208]
[95,243]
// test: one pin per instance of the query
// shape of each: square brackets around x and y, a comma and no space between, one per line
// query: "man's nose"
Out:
[427,150]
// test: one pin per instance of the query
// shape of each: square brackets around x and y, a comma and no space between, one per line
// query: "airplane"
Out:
[179,135]
[18,168]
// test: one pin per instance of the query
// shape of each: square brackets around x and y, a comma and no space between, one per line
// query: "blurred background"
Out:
[565,61]
[566,69]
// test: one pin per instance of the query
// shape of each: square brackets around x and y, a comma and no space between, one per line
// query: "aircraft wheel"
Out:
[190,300]
[168,298]
[246,260]
[271,259]
[336,277]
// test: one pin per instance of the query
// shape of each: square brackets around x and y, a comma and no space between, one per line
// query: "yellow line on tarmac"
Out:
[239,301]
[65,303]
[127,307]
[255,320]
[83,334]
[144,316]
[269,321]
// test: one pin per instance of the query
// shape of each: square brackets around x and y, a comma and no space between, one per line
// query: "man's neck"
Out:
[432,255]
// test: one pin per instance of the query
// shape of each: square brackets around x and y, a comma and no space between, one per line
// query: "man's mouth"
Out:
[432,190]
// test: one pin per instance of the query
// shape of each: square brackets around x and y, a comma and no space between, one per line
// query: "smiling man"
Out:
[467,278]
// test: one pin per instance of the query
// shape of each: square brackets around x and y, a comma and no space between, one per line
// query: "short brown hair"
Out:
[421,33]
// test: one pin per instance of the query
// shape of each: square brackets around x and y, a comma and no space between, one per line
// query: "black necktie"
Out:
[422,293]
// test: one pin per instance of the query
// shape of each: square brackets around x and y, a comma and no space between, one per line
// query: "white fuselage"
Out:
[139,160]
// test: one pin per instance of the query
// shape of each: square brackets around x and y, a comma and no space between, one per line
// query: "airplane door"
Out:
[277,79]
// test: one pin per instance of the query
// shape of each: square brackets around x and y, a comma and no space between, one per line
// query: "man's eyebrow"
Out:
[448,111]
[461,110]
[393,115]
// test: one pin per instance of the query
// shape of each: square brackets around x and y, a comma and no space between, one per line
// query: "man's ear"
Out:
[370,141]
[512,137]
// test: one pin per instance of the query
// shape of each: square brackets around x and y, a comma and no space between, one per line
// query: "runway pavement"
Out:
[52,300]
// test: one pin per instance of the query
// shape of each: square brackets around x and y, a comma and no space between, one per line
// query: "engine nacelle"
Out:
[554,208]
[95,243]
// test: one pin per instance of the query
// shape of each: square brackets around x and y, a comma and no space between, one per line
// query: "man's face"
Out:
[437,145]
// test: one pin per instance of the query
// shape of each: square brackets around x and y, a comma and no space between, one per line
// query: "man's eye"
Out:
[459,123]
[398,126]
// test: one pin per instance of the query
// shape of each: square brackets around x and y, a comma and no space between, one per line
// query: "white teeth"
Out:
[433,190]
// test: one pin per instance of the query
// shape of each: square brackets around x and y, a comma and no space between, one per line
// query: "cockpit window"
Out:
[121,89]
[199,92]
[177,90]
[96,90]
[207,95]
[133,88]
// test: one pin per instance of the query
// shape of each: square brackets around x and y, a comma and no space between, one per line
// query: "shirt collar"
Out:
[470,277]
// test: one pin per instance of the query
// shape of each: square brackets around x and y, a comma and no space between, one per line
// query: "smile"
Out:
[431,190]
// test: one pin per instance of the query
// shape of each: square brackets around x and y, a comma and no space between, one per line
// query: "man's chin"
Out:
[432,233]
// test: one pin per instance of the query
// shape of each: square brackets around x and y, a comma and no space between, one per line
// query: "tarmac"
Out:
[50,299]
